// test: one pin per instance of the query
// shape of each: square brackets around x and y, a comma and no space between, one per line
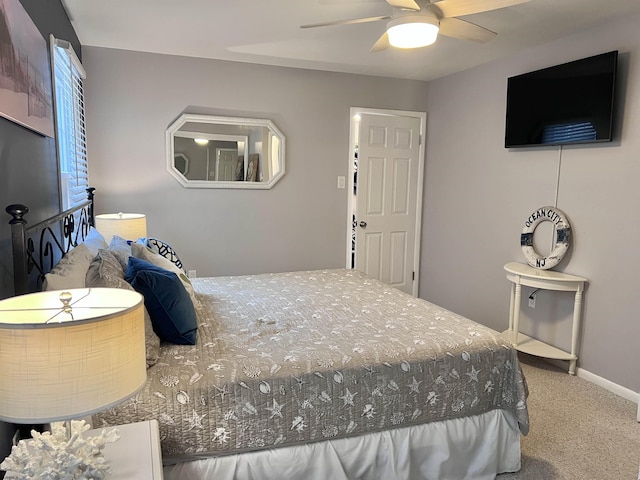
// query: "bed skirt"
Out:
[477,447]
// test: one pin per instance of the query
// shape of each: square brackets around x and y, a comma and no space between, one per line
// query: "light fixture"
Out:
[201,141]
[69,354]
[129,226]
[413,30]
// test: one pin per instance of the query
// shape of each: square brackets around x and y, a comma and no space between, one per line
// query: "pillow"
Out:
[105,272]
[170,308]
[104,265]
[164,249]
[70,271]
[121,249]
[94,241]
[144,253]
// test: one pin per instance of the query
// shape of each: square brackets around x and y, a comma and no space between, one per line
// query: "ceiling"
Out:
[268,32]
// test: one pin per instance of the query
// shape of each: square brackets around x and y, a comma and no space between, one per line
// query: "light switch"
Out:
[341,181]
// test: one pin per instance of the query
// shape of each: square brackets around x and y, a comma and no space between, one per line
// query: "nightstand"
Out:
[136,455]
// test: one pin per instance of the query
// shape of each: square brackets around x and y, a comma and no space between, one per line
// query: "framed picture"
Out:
[252,167]
[25,73]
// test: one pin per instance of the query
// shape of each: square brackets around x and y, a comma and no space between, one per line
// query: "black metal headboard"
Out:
[37,248]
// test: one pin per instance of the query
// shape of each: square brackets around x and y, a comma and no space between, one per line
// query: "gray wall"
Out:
[478,195]
[299,224]
[28,163]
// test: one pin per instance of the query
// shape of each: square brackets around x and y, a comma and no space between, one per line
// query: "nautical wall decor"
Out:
[562,237]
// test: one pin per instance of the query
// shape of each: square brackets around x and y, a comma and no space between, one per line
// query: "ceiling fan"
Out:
[416,23]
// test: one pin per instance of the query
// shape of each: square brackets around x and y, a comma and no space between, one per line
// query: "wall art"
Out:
[25,73]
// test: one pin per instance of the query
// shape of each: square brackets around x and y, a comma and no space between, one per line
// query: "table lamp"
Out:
[129,226]
[69,354]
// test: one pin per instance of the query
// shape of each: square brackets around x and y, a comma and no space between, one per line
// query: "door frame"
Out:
[419,194]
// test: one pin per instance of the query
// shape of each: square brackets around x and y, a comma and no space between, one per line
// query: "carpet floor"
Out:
[579,431]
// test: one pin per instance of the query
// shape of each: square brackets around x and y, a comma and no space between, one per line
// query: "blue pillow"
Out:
[168,303]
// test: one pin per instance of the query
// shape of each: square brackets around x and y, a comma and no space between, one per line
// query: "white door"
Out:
[387,199]
[226,164]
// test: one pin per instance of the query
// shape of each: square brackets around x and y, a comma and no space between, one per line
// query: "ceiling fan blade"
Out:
[407,4]
[346,22]
[458,28]
[381,44]
[457,8]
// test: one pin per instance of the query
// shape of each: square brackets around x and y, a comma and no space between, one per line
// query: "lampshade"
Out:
[413,31]
[69,354]
[129,226]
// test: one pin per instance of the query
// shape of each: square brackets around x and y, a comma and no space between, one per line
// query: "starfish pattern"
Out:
[348,397]
[473,374]
[224,390]
[414,387]
[276,410]
[195,420]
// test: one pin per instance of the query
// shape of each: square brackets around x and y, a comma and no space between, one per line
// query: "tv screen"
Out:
[565,104]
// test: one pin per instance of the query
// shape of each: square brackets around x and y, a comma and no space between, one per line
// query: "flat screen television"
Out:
[565,104]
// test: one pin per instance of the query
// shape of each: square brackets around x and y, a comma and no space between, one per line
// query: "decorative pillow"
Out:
[95,241]
[140,251]
[105,272]
[104,265]
[70,271]
[121,249]
[170,308]
[164,249]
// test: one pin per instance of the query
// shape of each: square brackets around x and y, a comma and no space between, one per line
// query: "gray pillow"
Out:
[105,264]
[105,272]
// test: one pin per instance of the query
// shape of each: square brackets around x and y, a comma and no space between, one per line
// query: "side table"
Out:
[520,274]
[136,455]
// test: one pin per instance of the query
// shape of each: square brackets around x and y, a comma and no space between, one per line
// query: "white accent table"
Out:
[136,455]
[520,274]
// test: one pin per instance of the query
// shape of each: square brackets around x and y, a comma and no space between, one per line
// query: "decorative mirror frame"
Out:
[185,159]
[212,119]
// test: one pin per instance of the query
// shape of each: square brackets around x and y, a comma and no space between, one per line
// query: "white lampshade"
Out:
[129,226]
[413,31]
[61,362]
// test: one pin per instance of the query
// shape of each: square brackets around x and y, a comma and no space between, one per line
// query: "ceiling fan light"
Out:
[412,31]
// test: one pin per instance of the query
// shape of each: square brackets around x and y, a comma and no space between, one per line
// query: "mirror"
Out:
[205,151]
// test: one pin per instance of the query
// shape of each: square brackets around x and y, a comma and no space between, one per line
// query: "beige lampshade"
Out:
[129,226]
[61,362]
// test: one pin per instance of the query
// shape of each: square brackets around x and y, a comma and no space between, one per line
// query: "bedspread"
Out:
[299,357]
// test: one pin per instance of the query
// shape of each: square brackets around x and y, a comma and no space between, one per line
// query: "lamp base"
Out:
[61,448]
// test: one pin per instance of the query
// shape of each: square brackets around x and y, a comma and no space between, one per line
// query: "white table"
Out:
[520,274]
[136,455]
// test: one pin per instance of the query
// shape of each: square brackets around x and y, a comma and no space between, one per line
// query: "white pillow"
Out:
[143,252]
[70,271]
[95,241]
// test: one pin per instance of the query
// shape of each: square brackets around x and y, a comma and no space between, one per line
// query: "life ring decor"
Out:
[563,237]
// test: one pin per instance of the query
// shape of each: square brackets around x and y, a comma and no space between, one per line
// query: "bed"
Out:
[312,374]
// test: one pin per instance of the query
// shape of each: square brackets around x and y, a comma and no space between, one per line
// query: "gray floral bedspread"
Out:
[298,357]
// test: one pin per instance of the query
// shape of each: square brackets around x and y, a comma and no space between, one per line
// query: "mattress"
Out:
[292,358]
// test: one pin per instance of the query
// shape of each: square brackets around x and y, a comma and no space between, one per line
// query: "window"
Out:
[68,97]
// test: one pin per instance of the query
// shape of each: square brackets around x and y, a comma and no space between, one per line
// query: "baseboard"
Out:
[619,390]
[608,385]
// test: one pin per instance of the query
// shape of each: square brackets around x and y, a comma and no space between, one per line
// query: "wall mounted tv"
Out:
[565,104]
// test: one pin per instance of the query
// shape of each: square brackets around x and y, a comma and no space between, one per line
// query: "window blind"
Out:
[569,132]
[68,75]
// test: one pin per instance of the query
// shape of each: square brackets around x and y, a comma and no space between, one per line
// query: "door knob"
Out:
[363,224]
